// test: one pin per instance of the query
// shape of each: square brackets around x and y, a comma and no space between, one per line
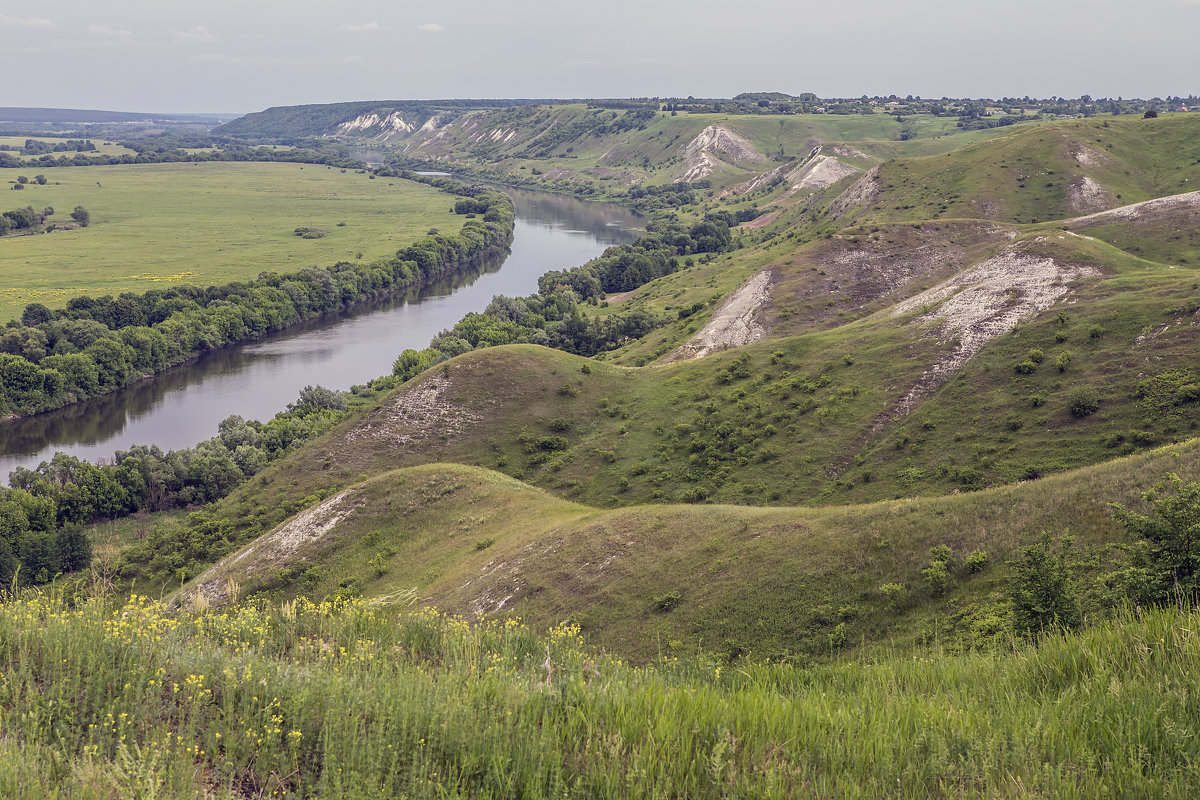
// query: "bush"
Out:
[73,548]
[1063,360]
[893,594]
[1167,555]
[976,562]
[666,602]
[1042,589]
[937,577]
[1025,367]
[1083,402]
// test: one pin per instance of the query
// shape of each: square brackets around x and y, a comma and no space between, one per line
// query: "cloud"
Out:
[363,27]
[112,33]
[431,27]
[352,60]
[197,34]
[38,23]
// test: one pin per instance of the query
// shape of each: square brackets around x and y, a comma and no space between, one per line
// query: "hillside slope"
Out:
[643,580]
[922,327]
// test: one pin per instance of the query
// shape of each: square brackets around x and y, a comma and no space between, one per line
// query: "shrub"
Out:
[976,561]
[1083,402]
[1042,589]
[1096,331]
[937,577]
[1025,367]
[893,594]
[665,602]
[1036,356]
[1168,553]
[1063,360]
[837,637]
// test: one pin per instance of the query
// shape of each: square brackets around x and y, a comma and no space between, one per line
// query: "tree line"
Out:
[51,358]
[552,316]
[42,515]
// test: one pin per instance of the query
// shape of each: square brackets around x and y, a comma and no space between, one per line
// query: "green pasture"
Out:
[103,147]
[202,223]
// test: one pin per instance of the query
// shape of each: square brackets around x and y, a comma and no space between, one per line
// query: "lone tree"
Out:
[1166,553]
[81,215]
[1042,589]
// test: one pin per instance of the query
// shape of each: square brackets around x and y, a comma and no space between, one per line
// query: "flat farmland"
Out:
[202,223]
[103,147]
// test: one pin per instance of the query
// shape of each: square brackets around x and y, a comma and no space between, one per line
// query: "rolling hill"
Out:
[958,348]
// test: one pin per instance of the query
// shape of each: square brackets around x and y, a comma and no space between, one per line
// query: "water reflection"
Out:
[183,405]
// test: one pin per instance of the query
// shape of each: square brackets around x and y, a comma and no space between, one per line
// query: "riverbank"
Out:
[97,345]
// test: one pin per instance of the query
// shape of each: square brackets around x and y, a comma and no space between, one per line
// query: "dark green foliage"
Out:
[97,345]
[1166,555]
[976,561]
[937,574]
[1042,590]
[1083,402]
[8,566]
[73,548]
[665,602]
[82,216]
[1164,395]
[316,398]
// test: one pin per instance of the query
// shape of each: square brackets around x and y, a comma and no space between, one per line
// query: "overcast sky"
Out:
[245,55]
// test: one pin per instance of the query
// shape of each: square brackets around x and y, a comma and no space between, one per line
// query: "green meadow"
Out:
[103,147]
[359,700]
[202,223]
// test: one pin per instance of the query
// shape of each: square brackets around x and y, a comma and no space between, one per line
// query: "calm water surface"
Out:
[182,406]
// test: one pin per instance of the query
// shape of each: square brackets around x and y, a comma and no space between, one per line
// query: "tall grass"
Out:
[353,700]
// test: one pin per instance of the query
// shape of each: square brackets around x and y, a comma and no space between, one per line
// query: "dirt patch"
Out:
[819,172]
[416,414]
[698,153]
[621,296]
[861,271]
[846,151]
[981,303]
[758,222]
[733,324]
[757,182]
[270,551]
[1088,157]
[1085,194]
[862,192]
[1190,201]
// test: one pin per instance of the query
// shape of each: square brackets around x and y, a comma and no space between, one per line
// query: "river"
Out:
[183,405]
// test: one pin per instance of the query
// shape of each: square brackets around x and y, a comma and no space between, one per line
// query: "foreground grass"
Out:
[352,700]
[205,224]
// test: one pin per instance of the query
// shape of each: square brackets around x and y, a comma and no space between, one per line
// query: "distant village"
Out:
[972,112]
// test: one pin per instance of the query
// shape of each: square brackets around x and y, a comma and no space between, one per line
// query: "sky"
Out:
[237,56]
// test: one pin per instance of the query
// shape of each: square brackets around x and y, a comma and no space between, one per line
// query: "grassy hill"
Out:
[941,351]
[360,700]
[646,580]
[988,364]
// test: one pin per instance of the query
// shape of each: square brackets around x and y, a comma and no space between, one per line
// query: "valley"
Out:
[867,467]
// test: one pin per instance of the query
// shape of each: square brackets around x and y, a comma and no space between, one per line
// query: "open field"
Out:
[203,223]
[103,147]
[356,700]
